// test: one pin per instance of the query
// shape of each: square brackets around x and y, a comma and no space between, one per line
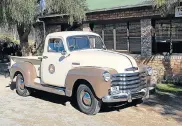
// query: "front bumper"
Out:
[126,97]
[127,87]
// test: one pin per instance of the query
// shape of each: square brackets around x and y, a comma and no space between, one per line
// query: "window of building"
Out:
[135,37]
[108,36]
[168,36]
[176,35]
[124,36]
[55,45]
[121,36]
[97,29]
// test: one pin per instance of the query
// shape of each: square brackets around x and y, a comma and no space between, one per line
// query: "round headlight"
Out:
[106,75]
[149,71]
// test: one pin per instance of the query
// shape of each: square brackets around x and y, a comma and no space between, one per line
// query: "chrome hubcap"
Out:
[21,84]
[86,98]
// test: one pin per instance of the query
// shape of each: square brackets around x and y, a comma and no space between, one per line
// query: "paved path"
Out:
[44,109]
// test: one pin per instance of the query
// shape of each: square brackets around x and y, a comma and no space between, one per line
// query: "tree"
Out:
[23,13]
[166,6]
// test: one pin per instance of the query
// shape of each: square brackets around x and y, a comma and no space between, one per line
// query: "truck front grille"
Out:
[129,82]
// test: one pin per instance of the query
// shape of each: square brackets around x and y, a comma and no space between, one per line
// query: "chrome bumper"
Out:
[128,97]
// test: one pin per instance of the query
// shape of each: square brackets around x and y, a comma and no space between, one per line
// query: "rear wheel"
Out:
[21,89]
[86,100]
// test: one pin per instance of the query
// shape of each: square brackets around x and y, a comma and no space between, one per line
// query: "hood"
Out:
[103,58]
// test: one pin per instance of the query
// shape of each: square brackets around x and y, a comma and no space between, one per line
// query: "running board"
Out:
[39,85]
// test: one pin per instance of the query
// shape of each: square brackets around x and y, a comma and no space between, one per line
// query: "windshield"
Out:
[84,42]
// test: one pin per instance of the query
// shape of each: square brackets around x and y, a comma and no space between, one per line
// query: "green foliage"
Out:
[165,6]
[159,3]
[74,8]
[26,11]
[171,88]
[8,38]
[22,11]
[39,51]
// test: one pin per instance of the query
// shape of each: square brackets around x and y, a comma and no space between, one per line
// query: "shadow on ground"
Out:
[12,86]
[166,104]
[50,97]
[119,106]
[63,100]
[169,104]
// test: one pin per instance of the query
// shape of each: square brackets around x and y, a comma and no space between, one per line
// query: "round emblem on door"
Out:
[51,68]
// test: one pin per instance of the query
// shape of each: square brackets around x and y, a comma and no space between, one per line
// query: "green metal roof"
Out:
[104,5]
[111,4]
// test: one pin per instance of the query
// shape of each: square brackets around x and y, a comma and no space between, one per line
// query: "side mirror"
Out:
[63,52]
[104,47]
[72,47]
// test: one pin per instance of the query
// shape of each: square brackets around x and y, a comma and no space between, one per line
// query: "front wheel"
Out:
[86,100]
[20,86]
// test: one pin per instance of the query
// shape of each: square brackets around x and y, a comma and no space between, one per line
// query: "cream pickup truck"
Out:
[78,65]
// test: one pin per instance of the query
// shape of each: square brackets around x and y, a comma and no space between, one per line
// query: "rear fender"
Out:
[26,69]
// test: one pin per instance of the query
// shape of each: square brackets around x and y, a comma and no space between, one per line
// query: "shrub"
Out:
[8,38]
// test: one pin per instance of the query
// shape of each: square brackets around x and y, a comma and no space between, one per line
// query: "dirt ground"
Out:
[44,109]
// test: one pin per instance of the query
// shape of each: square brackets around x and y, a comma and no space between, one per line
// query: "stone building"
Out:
[132,27]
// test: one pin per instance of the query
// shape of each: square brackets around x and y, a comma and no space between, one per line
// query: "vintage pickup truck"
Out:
[78,65]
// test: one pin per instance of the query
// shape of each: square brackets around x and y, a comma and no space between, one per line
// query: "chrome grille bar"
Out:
[129,82]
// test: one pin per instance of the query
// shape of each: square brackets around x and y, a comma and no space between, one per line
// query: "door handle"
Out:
[40,58]
[45,57]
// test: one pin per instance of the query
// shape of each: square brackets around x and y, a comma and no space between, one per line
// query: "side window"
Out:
[55,45]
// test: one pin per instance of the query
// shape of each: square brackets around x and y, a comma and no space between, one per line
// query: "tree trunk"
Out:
[23,32]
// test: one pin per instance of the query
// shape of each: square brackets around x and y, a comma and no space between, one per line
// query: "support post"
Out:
[114,37]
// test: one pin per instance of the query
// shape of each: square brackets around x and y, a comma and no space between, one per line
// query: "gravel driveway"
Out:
[44,109]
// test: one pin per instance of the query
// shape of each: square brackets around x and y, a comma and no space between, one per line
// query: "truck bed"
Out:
[32,59]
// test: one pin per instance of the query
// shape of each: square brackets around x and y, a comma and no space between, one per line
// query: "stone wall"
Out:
[166,69]
[146,37]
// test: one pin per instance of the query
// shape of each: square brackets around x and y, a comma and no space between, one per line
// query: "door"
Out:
[55,65]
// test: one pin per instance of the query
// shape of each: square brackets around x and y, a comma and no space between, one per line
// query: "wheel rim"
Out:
[21,84]
[86,98]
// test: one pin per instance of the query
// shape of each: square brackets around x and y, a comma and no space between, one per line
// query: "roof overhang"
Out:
[143,4]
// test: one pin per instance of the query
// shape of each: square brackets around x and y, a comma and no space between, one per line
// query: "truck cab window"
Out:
[77,43]
[84,42]
[55,45]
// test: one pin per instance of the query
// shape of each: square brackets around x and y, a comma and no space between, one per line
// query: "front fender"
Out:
[26,69]
[93,75]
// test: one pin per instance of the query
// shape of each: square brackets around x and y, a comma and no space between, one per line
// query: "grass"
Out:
[170,88]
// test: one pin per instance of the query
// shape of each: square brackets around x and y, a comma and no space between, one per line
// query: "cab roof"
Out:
[71,33]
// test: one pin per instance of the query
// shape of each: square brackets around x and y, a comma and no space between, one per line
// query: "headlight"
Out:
[106,75]
[149,71]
